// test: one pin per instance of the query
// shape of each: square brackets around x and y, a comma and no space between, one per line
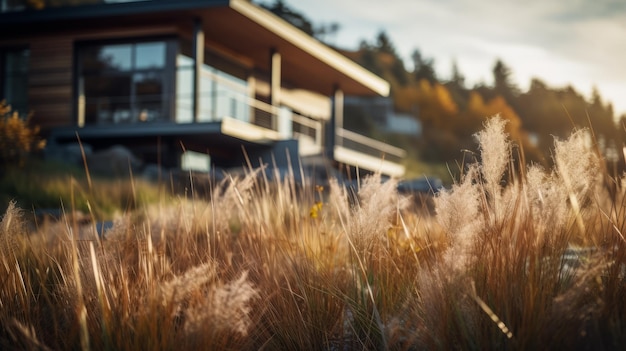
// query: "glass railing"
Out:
[357,142]
[222,97]
[124,109]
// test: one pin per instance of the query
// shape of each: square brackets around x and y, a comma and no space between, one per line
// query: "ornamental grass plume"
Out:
[200,301]
[228,307]
[476,201]
[578,167]
[459,212]
[248,267]
[11,227]
[495,155]
[372,212]
[547,199]
[233,195]
[512,250]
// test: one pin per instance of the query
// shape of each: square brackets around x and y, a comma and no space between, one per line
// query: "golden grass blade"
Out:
[494,317]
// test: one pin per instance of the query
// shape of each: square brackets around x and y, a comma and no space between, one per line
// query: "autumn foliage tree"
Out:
[18,138]
[451,113]
[478,110]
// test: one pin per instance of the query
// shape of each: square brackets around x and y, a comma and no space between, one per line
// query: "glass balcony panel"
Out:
[184,61]
[207,99]
[149,109]
[107,85]
[184,92]
[148,83]
[122,115]
[105,110]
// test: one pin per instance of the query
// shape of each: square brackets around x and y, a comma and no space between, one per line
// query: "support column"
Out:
[275,78]
[336,123]
[338,108]
[198,56]
[80,108]
[251,96]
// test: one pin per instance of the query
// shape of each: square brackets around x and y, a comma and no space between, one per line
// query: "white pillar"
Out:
[275,78]
[198,56]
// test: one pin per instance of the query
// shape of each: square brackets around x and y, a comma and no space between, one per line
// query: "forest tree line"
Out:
[451,112]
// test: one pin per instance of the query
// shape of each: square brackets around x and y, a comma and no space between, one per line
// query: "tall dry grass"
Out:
[515,258]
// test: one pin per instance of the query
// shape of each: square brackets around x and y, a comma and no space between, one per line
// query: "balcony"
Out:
[267,122]
[360,143]
[225,103]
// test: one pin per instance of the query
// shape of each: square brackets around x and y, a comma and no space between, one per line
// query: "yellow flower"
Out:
[315,209]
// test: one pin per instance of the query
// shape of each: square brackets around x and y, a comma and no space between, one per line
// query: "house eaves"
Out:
[312,47]
[65,13]
[245,30]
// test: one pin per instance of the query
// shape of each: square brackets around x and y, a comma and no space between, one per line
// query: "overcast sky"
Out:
[577,42]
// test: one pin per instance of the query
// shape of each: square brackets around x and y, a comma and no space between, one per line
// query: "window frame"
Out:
[4,50]
[168,72]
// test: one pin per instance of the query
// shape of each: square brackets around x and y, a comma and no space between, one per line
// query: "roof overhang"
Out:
[94,11]
[239,27]
[304,58]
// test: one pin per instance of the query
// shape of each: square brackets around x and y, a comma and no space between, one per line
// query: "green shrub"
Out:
[49,185]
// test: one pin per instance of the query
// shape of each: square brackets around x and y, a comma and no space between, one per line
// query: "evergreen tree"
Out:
[503,83]
[423,68]
[384,44]
[300,21]
[297,19]
[456,85]
[457,77]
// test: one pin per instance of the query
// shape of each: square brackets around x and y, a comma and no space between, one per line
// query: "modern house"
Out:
[380,111]
[175,78]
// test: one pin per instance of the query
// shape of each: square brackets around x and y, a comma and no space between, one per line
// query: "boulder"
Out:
[71,153]
[115,161]
[152,172]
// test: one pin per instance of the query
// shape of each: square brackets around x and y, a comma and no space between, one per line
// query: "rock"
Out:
[115,161]
[152,172]
[71,153]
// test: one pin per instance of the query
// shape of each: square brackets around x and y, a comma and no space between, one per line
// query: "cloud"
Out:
[579,42]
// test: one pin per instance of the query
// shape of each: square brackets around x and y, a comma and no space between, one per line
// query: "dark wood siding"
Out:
[51,68]
[50,81]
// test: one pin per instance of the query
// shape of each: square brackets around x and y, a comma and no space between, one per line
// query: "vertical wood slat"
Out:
[50,81]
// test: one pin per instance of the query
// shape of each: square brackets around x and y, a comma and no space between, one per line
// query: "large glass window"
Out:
[146,81]
[14,78]
[125,82]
